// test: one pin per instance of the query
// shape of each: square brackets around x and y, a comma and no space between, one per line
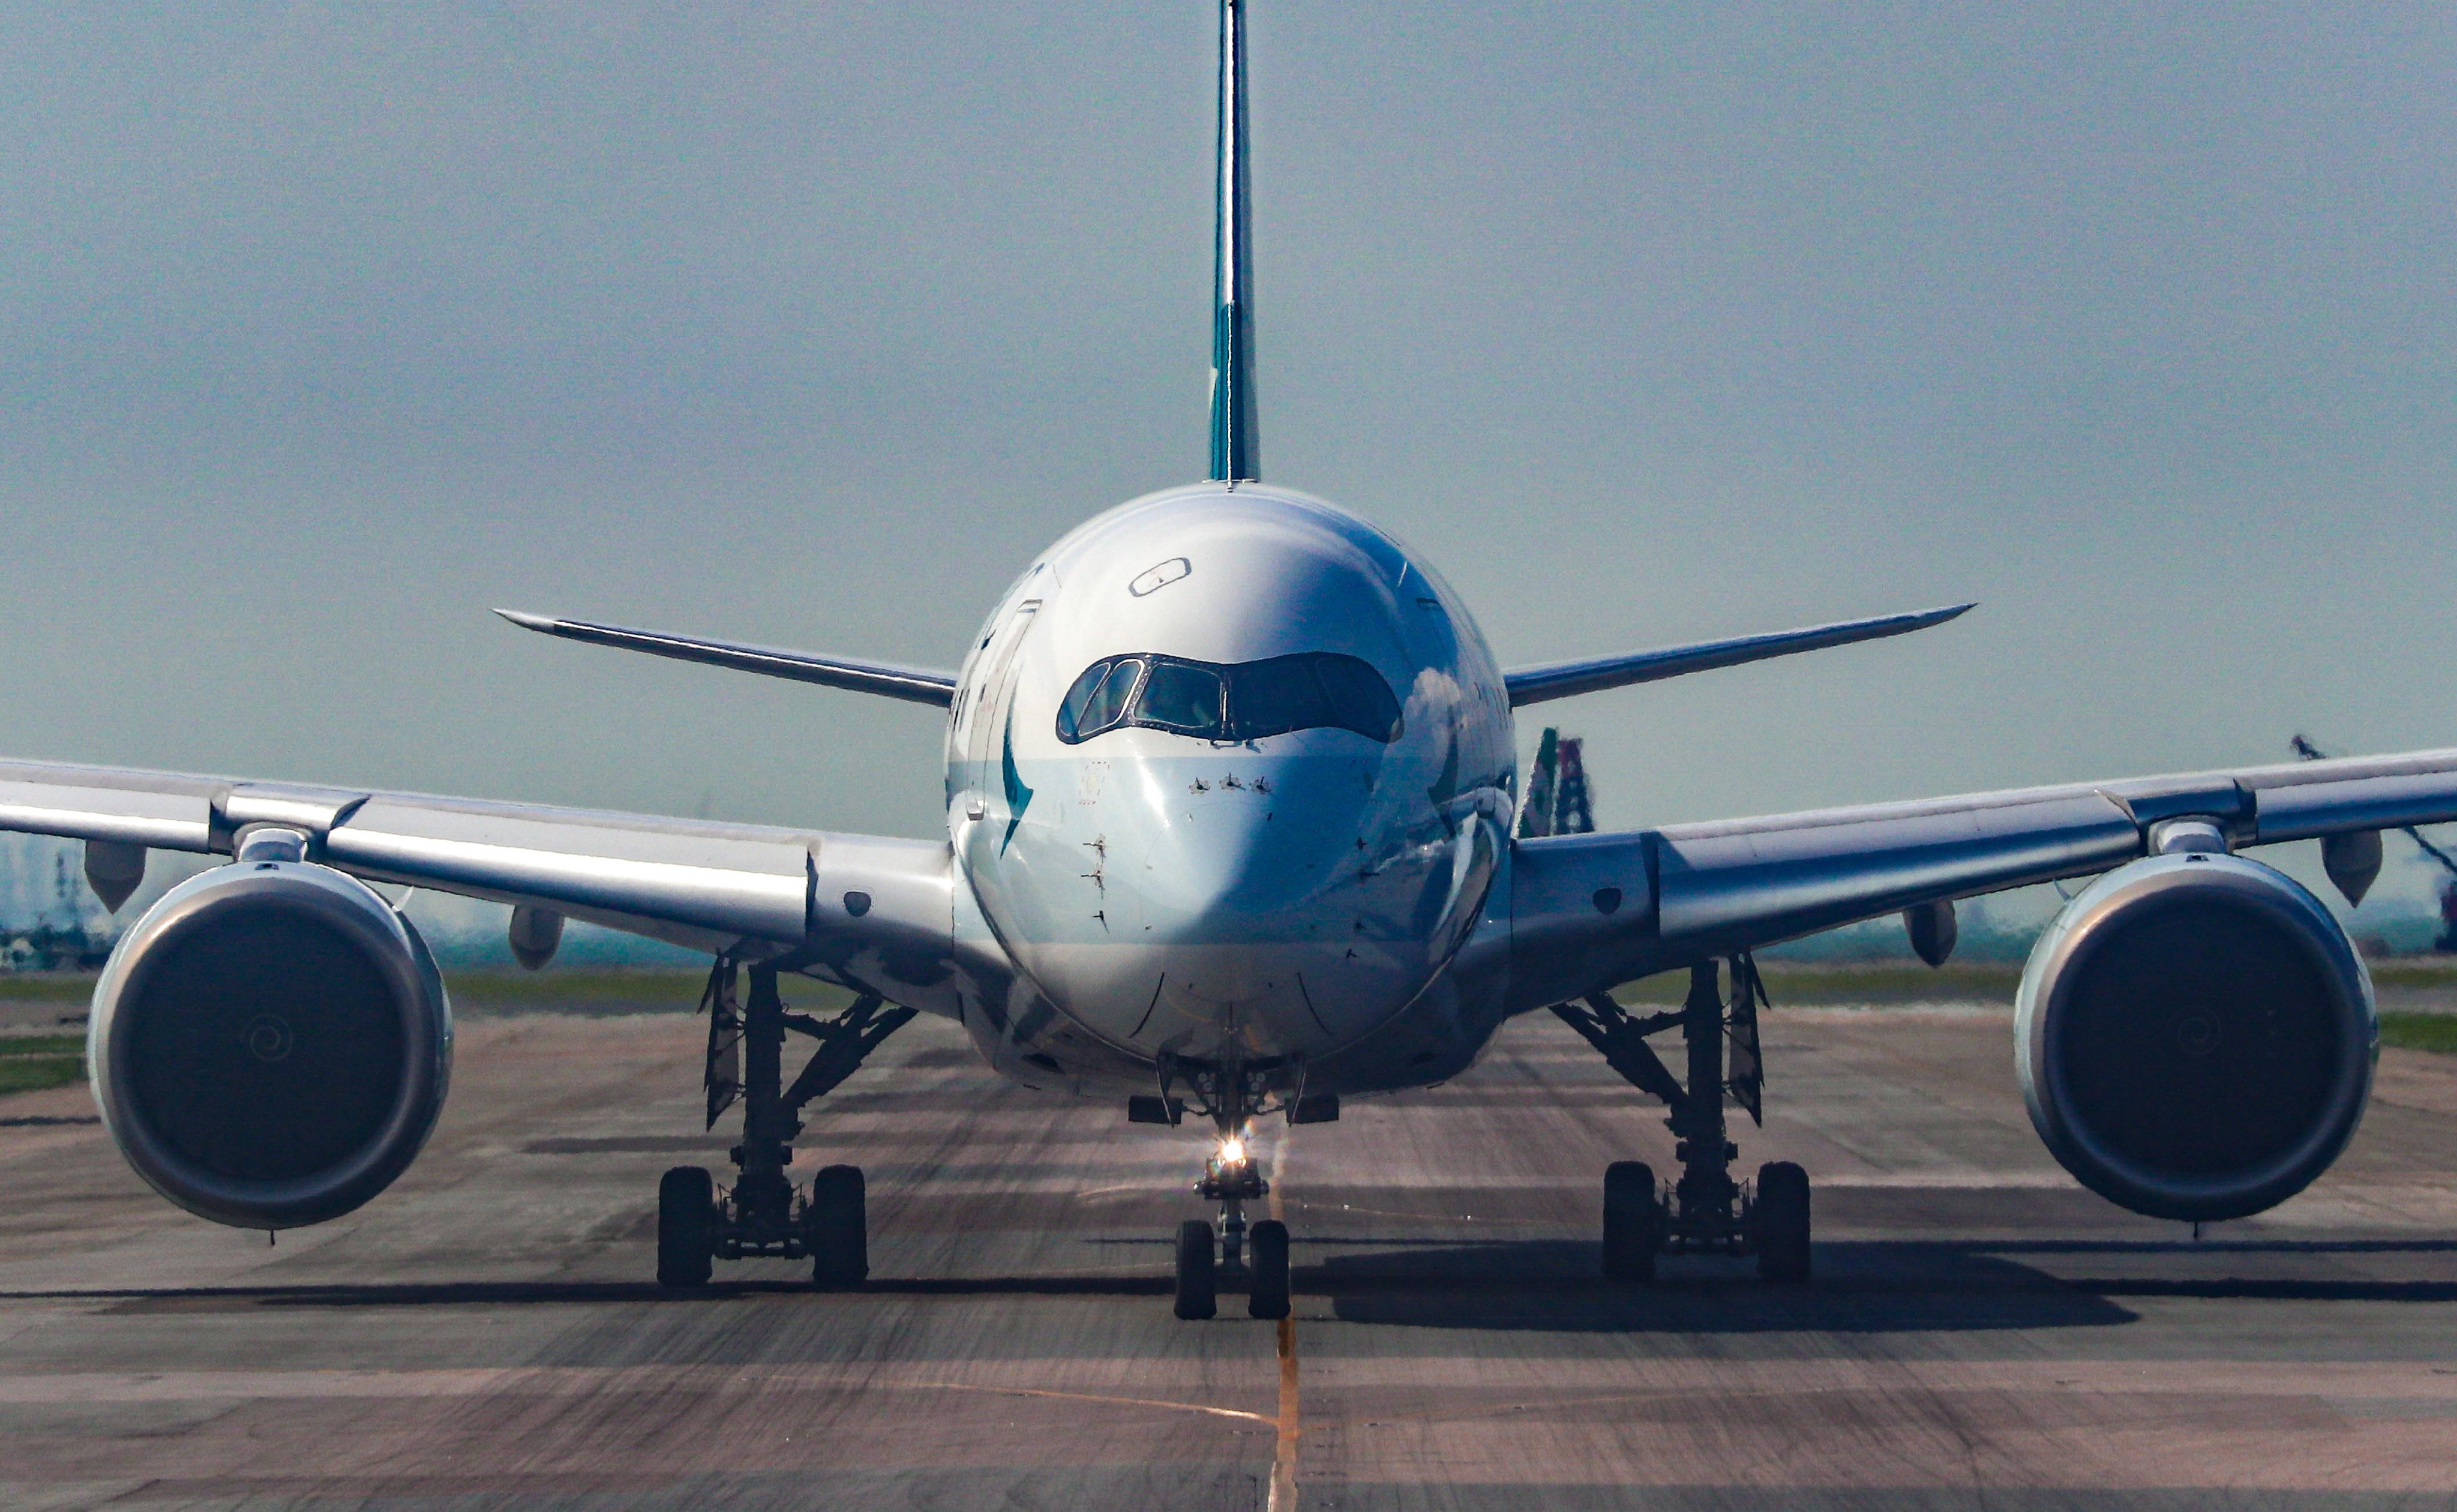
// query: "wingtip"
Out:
[1938,617]
[528,621]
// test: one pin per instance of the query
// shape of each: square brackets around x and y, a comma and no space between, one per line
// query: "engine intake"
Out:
[2195,1036]
[270,1045]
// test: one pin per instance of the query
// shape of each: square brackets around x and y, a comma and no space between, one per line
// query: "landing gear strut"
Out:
[1705,1210]
[765,1213]
[1232,1178]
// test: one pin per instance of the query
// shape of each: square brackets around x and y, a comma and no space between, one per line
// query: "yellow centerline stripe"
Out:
[1283,1455]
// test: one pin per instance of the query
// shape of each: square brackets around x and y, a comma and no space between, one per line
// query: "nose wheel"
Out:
[1200,1268]
[1198,1276]
[1267,1288]
[1209,1254]
[1206,1255]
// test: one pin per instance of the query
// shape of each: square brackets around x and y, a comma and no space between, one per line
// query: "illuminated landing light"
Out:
[1233,1151]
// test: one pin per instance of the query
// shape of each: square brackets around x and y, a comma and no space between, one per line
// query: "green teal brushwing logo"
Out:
[1019,797]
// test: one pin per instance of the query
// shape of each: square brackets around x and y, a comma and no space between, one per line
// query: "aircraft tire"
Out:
[685,1227]
[1198,1294]
[1269,1296]
[837,1227]
[1633,1221]
[1782,1221]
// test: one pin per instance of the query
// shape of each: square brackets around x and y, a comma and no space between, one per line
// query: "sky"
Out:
[326,328]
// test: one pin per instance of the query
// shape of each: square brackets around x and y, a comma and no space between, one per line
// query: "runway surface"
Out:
[1982,1333]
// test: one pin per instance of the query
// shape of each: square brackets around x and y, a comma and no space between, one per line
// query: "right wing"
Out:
[871,913]
[1592,911]
[913,684]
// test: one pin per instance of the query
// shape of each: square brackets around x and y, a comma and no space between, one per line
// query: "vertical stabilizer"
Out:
[1236,445]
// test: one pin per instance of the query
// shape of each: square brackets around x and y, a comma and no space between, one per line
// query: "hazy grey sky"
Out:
[328,327]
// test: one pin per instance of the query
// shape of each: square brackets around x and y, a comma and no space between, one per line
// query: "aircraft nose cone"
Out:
[1232,903]
[1244,849]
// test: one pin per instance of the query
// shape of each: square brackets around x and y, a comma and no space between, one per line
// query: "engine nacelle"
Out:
[2195,1036]
[270,1045]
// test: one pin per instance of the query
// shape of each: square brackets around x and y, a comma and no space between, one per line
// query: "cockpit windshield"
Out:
[1248,701]
[1180,696]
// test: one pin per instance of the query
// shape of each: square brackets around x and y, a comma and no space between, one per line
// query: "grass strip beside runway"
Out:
[37,1061]
[2420,1031]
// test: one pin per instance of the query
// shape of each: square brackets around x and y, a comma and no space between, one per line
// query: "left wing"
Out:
[1591,911]
[871,913]
[1562,678]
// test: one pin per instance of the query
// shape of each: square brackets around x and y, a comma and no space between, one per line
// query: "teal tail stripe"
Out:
[1236,445]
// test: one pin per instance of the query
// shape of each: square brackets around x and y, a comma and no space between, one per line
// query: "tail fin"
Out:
[1236,445]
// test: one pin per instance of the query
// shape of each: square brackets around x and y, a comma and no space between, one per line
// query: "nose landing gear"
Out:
[1705,1210]
[1232,1178]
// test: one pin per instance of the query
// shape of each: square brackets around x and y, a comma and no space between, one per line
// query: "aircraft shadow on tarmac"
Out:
[551,1293]
[1482,1287]
[1539,1285]
[1551,1285]
[1865,1287]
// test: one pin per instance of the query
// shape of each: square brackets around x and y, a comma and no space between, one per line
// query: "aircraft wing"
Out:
[873,913]
[912,684]
[1591,911]
[1562,678]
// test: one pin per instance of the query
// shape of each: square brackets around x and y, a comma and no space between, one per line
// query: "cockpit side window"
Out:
[1248,701]
[1110,705]
[1070,710]
[1097,700]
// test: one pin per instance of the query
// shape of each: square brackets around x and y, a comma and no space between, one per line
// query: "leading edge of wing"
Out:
[1592,910]
[1562,678]
[867,911]
[912,684]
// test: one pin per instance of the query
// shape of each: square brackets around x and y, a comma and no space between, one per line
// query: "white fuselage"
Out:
[1197,881]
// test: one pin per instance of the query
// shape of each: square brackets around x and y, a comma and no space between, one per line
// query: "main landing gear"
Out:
[699,1223]
[1232,1178]
[1705,1210]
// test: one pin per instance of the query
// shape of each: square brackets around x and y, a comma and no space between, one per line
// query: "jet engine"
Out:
[2195,1036]
[271,1042]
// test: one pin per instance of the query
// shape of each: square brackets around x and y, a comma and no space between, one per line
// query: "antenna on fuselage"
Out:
[1236,442]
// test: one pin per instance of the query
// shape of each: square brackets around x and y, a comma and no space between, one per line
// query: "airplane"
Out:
[1230,778]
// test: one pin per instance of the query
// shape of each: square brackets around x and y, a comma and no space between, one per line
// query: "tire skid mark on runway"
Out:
[1437,1217]
[1204,1408]
[1964,1452]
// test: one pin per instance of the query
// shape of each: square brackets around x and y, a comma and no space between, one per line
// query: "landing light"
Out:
[1233,1151]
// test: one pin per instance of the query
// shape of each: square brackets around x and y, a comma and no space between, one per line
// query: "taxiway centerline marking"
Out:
[1284,1453]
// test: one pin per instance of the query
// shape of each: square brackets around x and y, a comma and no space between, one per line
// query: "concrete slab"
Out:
[1983,1333]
